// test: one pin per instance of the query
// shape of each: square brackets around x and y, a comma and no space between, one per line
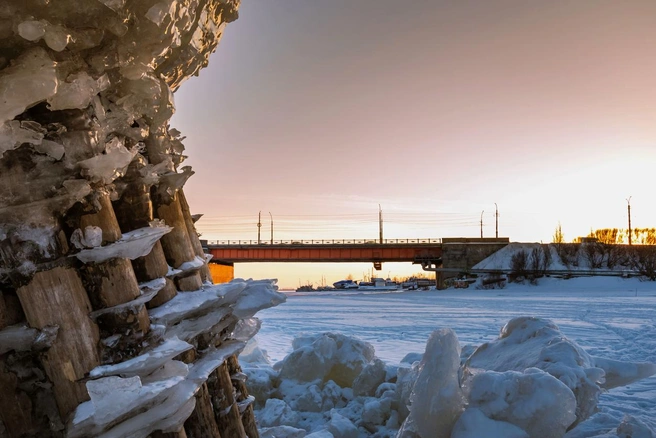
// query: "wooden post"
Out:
[193,236]
[57,297]
[225,408]
[202,423]
[112,282]
[248,417]
[135,210]
[105,218]
[176,244]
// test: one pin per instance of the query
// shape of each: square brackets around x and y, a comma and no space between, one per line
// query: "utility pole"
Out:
[271,228]
[482,223]
[628,207]
[259,226]
[380,223]
[496,215]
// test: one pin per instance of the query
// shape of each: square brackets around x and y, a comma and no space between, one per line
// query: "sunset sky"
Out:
[320,111]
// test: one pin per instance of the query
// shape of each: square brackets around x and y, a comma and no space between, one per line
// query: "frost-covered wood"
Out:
[85,102]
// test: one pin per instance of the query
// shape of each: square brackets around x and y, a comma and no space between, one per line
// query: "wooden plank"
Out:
[57,297]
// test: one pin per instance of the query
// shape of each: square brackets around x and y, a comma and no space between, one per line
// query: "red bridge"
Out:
[424,251]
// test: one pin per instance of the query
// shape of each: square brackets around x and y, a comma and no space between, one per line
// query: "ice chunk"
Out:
[474,424]
[14,133]
[213,322]
[110,165]
[342,427]
[109,392]
[185,268]
[375,413]
[370,378]
[50,148]
[246,329]
[30,79]
[32,30]
[192,304]
[437,400]
[278,413]
[311,400]
[258,295]
[411,358]
[23,338]
[623,373]
[325,433]
[282,431]
[528,342]
[146,363]
[91,237]
[328,356]
[534,401]
[132,245]
[261,382]
[253,354]
[405,381]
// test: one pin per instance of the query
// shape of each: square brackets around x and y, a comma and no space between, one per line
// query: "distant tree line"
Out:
[601,249]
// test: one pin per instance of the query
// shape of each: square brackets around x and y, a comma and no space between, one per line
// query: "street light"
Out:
[496,215]
[259,226]
[482,223]
[271,228]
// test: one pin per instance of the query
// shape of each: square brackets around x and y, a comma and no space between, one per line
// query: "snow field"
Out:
[571,369]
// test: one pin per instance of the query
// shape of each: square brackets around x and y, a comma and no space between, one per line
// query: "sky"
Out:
[318,113]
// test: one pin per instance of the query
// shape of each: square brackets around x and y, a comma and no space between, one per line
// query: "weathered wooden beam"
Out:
[105,218]
[112,283]
[58,298]
[225,408]
[248,416]
[202,422]
[193,236]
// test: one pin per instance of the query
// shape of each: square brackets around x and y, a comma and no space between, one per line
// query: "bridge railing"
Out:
[323,242]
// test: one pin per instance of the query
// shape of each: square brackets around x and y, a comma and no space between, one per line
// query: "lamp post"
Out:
[628,207]
[259,226]
[482,223]
[271,228]
[496,215]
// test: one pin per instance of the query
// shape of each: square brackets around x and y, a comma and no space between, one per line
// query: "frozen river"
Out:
[609,317]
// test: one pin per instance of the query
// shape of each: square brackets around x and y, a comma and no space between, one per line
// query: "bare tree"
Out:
[569,253]
[519,265]
[594,254]
[643,258]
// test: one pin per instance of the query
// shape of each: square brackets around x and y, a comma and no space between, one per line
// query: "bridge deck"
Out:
[327,252]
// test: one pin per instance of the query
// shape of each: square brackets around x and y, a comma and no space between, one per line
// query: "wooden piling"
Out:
[225,408]
[135,210]
[58,298]
[202,422]
[176,244]
[193,236]
[248,416]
